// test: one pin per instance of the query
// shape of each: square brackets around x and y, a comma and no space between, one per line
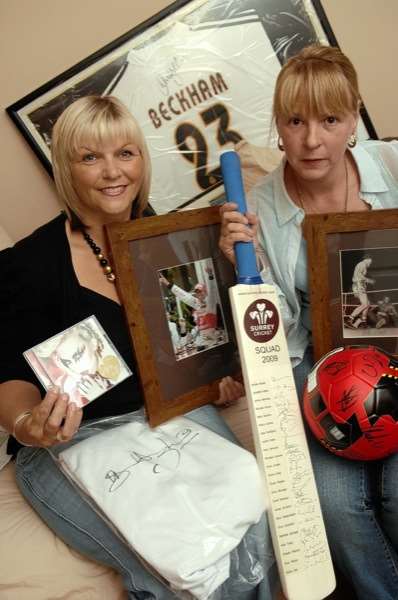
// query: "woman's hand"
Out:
[230,392]
[52,421]
[163,280]
[235,227]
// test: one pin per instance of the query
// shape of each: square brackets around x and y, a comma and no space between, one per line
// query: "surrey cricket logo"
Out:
[261,321]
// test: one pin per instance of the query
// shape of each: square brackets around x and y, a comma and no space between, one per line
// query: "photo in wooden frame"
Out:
[353,279]
[173,282]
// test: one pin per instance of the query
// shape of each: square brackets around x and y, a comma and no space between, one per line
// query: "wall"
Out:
[40,39]
[367,32]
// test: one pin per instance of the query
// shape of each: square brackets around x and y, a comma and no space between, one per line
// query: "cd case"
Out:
[81,361]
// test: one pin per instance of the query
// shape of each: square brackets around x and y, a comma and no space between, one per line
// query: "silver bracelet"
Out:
[20,418]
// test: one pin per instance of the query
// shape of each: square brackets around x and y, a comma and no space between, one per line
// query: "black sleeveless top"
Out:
[40,296]
[125,396]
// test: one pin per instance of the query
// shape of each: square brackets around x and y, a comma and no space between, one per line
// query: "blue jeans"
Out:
[55,499]
[360,507]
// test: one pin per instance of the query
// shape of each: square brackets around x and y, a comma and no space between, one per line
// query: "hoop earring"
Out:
[280,145]
[352,142]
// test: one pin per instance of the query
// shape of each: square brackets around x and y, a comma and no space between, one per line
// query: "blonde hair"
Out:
[95,119]
[318,81]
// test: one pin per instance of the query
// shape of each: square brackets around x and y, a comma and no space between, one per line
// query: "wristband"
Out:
[18,420]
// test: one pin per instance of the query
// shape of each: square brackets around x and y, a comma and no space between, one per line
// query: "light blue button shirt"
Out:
[301,283]
[280,234]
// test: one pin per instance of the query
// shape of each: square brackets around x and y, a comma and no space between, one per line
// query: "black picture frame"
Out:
[196,114]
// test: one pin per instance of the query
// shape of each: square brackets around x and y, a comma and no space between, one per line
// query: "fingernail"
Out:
[64,397]
[54,389]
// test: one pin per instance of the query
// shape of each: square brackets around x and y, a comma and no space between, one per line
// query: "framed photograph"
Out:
[199,77]
[353,278]
[173,282]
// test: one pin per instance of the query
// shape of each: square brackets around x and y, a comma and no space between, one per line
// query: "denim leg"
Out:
[358,543]
[55,499]
[389,498]
[209,417]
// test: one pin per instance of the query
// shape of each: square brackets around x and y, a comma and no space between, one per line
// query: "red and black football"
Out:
[351,402]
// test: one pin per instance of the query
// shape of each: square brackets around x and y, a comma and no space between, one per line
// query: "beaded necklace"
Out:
[107,269]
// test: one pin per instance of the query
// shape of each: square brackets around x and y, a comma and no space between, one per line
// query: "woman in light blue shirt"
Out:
[324,170]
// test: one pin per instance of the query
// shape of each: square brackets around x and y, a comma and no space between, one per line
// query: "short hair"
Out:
[319,80]
[97,119]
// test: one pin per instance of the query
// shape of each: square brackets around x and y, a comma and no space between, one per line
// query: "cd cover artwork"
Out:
[81,361]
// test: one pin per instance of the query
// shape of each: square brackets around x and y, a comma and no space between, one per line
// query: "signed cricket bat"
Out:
[294,512]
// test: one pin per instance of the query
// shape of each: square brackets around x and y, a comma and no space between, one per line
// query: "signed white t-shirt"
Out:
[182,496]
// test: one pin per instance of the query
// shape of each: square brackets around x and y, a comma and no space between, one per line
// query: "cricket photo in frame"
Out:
[195,316]
[173,282]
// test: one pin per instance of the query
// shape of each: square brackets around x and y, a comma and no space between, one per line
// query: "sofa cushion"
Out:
[36,565]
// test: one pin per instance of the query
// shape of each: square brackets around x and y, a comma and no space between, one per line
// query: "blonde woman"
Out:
[56,277]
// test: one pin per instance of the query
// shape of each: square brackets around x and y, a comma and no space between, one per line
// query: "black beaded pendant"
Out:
[107,269]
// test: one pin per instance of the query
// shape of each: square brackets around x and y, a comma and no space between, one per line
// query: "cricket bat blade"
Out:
[294,513]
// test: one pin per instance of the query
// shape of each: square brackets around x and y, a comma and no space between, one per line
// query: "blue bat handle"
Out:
[244,251]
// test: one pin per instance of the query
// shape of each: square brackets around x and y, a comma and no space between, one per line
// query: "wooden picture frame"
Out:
[336,244]
[176,376]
